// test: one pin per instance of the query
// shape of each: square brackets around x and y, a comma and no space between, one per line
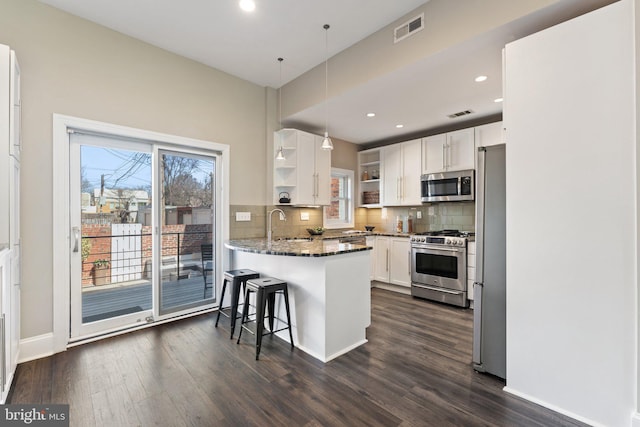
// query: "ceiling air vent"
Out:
[409,28]
[459,114]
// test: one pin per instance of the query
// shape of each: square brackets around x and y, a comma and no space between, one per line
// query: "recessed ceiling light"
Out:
[399,126]
[481,78]
[498,100]
[247,5]
[371,114]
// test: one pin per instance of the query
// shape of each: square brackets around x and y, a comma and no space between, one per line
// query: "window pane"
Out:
[339,213]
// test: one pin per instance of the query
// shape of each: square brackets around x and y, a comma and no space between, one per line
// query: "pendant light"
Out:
[280,155]
[326,142]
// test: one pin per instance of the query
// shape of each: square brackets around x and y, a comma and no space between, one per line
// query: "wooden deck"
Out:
[130,297]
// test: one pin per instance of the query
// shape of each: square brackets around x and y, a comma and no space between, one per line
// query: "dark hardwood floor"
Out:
[414,371]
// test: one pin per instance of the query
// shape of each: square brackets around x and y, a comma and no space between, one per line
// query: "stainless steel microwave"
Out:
[448,186]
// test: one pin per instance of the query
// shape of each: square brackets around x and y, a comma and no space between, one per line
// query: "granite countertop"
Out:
[295,247]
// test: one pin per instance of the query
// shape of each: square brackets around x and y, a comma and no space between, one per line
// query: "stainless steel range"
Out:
[439,266]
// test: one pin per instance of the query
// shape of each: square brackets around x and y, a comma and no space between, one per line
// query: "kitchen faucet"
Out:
[282,215]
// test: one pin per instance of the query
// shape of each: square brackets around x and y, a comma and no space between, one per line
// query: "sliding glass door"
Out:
[143,232]
[186,213]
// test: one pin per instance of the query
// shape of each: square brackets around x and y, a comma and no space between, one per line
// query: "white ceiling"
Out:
[217,33]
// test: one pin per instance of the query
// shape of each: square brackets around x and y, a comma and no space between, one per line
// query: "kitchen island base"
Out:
[330,298]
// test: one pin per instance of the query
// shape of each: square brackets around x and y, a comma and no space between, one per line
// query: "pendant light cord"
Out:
[326,80]
[280,95]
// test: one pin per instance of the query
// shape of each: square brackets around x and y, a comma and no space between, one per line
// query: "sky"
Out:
[124,168]
[121,168]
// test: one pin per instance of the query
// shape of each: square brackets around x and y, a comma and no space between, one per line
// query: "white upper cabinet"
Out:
[489,134]
[401,173]
[433,151]
[304,175]
[369,177]
[451,151]
[322,173]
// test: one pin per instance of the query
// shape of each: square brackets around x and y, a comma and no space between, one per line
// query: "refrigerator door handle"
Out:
[480,212]
[477,324]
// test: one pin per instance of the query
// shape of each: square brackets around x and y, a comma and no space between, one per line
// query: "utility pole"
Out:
[101,191]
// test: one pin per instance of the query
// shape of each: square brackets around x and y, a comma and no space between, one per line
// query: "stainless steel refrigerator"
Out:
[489,289]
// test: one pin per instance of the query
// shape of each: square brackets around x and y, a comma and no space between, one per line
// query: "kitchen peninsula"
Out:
[329,289]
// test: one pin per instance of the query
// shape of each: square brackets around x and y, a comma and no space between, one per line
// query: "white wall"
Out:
[74,67]
[571,216]
[445,27]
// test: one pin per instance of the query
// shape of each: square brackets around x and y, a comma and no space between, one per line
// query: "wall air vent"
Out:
[460,114]
[409,28]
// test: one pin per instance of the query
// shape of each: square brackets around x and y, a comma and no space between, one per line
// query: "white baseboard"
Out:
[36,347]
[553,407]
[391,287]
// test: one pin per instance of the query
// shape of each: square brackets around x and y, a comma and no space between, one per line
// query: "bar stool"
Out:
[266,289]
[236,278]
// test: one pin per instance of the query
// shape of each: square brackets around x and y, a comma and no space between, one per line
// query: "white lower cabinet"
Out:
[471,268]
[9,325]
[392,260]
[381,259]
[400,253]
[371,241]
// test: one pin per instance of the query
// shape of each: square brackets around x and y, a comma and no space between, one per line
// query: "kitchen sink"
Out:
[295,239]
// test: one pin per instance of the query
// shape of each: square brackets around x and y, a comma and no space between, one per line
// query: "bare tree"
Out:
[85,184]
[176,171]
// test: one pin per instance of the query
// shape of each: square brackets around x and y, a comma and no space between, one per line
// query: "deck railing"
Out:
[118,258]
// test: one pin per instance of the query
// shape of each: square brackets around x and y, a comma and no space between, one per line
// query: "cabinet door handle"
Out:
[3,349]
[443,155]
[409,263]
[387,260]
[18,142]
[313,186]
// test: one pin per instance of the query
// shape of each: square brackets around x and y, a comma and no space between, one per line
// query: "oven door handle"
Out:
[438,248]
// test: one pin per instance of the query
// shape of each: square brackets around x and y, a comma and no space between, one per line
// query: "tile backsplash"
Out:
[257,226]
[436,216]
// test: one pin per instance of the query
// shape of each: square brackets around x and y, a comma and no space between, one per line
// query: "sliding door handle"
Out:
[76,238]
